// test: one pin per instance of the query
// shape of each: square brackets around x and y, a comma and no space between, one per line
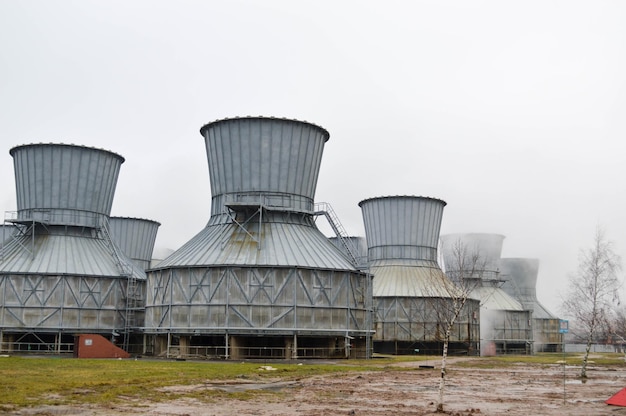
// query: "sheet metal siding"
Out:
[402,227]
[135,237]
[251,157]
[281,244]
[488,246]
[257,300]
[65,178]
[414,319]
[61,302]
[505,326]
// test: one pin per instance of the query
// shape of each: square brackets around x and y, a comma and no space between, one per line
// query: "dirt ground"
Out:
[520,390]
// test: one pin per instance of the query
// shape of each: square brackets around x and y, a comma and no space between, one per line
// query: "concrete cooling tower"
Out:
[520,281]
[474,260]
[260,280]
[61,273]
[411,294]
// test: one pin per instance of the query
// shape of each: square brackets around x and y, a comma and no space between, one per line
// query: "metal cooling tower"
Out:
[135,237]
[504,322]
[61,274]
[520,275]
[260,280]
[410,291]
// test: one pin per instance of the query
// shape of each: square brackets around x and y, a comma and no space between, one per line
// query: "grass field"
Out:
[30,381]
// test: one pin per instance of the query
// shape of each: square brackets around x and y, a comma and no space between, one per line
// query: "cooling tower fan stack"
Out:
[520,281]
[505,325]
[260,280]
[60,273]
[410,290]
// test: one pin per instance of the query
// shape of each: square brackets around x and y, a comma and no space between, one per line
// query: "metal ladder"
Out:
[133,295]
[324,208]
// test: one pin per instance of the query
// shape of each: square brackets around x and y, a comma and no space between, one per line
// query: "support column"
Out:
[234,348]
[183,346]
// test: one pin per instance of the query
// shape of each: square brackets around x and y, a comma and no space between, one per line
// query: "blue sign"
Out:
[563,326]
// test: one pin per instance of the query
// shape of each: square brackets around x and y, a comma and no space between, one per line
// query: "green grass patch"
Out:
[28,381]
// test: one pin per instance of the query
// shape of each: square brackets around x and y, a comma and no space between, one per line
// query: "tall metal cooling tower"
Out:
[61,274]
[411,293]
[504,322]
[260,280]
[520,275]
[135,237]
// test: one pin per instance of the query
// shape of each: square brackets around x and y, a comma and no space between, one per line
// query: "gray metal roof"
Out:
[405,278]
[282,244]
[62,254]
[496,299]
[262,160]
[68,184]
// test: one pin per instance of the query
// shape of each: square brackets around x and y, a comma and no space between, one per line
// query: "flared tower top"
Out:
[64,184]
[402,227]
[486,247]
[135,237]
[273,162]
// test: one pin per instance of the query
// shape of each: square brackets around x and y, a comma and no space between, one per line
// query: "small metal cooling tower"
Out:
[504,322]
[520,275]
[410,291]
[260,280]
[135,237]
[61,273]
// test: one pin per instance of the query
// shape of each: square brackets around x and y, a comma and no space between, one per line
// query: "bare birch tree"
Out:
[593,293]
[464,269]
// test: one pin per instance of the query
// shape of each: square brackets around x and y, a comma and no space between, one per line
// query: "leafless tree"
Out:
[464,268]
[593,290]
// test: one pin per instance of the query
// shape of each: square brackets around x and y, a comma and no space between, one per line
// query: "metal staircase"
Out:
[133,291]
[324,208]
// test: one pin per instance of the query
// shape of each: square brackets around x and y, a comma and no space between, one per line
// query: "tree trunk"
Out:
[442,382]
[583,370]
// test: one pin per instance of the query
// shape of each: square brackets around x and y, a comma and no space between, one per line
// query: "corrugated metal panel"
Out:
[496,299]
[358,243]
[402,227]
[61,254]
[135,237]
[63,179]
[263,160]
[393,278]
[6,231]
[281,244]
[488,246]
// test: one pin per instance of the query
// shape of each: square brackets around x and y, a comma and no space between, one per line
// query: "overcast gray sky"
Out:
[513,112]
